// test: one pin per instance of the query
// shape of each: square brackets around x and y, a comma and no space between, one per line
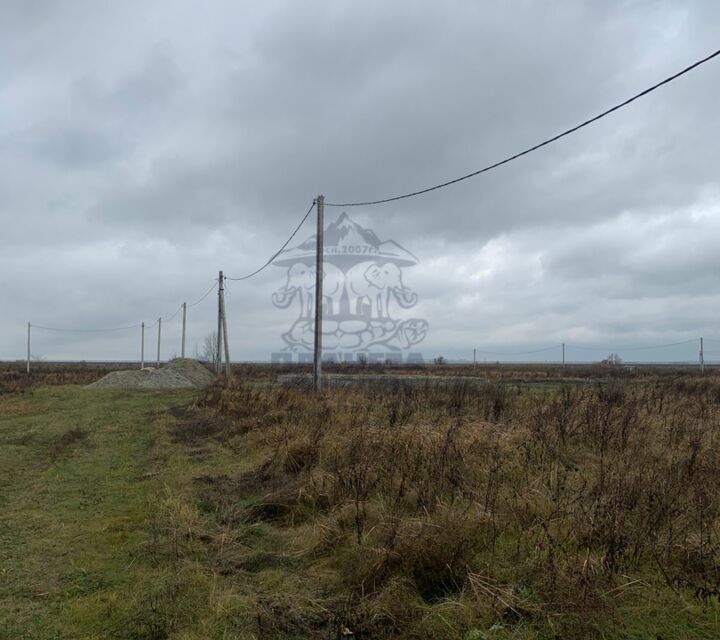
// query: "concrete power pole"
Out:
[158,349]
[182,346]
[142,346]
[228,369]
[28,349]
[218,358]
[319,249]
[702,357]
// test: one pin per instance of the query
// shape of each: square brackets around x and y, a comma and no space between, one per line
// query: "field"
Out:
[530,506]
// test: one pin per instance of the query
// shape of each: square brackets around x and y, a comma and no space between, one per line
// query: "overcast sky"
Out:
[144,146]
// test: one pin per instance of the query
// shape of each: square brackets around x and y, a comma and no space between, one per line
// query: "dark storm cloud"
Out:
[142,147]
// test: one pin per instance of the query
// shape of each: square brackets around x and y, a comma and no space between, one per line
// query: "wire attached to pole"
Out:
[279,251]
[646,348]
[544,143]
[179,309]
[128,327]
[205,295]
[56,329]
[519,353]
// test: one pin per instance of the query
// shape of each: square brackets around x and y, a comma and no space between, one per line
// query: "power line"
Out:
[205,295]
[37,326]
[581,348]
[646,348]
[179,309]
[519,353]
[533,148]
[126,328]
[279,251]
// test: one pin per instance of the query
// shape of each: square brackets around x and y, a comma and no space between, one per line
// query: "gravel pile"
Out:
[180,373]
[192,370]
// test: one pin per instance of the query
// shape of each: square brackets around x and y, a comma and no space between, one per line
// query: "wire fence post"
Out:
[182,347]
[158,348]
[226,344]
[28,349]
[702,357]
[317,359]
[142,346]
[218,346]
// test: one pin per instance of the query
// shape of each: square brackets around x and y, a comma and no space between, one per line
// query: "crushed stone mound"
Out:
[191,370]
[180,373]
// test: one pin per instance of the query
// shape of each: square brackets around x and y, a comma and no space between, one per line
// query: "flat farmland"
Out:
[533,505]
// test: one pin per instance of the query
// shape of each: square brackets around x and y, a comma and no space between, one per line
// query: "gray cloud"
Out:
[143,147]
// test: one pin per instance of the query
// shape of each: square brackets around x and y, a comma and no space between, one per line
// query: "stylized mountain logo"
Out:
[347,242]
[346,231]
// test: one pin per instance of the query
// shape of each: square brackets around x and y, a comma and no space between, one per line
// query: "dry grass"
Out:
[430,513]
[496,371]
[14,379]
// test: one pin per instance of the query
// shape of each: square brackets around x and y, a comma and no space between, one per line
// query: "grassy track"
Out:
[236,519]
[75,489]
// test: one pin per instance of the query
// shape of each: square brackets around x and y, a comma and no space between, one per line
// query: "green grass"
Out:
[76,489]
[114,525]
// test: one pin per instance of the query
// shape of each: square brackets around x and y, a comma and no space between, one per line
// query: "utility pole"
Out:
[28,349]
[218,359]
[182,348]
[319,249]
[142,346]
[702,358]
[159,332]
[228,370]
[474,357]
[563,357]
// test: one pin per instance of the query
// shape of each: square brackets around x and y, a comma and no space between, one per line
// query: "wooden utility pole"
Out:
[228,370]
[702,357]
[159,332]
[182,348]
[474,357]
[319,249]
[28,349]
[142,345]
[218,351]
[563,357]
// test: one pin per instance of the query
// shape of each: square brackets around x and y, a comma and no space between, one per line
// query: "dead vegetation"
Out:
[429,513]
[15,380]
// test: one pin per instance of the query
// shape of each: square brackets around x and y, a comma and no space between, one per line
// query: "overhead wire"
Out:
[279,251]
[205,295]
[518,353]
[427,190]
[128,327]
[179,309]
[535,147]
[583,348]
[645,348]
[62,330]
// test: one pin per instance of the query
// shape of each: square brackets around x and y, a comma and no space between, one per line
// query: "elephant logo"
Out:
[363,287]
